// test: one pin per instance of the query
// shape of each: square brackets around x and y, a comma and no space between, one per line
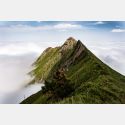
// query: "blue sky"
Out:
[59,30]
[104,24]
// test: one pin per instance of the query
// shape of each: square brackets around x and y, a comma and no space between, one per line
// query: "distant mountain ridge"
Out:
[83,77]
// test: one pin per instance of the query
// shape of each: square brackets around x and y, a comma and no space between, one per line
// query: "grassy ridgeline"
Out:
[91,80]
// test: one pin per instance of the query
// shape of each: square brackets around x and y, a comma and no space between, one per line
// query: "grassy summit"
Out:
[73,74]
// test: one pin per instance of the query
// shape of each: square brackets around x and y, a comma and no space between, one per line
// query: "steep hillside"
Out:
[72,74]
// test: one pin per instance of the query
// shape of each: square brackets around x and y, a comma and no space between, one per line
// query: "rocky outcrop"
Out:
[79,51]
[70,43]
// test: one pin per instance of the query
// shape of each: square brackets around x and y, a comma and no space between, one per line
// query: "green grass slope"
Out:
[74,75]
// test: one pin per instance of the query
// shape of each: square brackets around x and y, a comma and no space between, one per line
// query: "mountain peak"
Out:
[70,41]
[68,44]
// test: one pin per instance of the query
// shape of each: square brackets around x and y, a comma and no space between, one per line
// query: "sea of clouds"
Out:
[16,59]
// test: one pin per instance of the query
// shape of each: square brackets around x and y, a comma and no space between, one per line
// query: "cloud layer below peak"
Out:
[17,48]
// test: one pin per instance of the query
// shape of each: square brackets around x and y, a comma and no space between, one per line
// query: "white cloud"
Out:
[18,96]
[15,48]
[60,26]
[16,59]
[99,22]
[118,30]
[21,27]
[14,71]
[13,78]
[67,26]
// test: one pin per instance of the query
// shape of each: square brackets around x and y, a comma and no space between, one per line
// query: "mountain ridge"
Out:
[86,78]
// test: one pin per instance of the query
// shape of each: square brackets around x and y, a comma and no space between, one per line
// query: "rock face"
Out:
[69,44]
[91,80]
[79,51]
